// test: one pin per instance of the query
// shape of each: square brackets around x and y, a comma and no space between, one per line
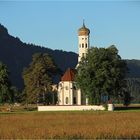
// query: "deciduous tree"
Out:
[102,73]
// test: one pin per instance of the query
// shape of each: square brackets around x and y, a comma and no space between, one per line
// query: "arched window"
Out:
[86,45]
[82,45]
[67,100]
[79,45]
[74,100]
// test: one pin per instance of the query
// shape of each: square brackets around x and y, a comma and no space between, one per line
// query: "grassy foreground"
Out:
[68,125]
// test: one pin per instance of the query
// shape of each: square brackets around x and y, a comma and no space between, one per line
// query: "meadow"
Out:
[70,125]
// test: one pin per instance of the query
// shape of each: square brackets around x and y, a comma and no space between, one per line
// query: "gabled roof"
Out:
[69,75]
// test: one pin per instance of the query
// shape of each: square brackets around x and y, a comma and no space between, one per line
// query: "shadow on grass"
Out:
[127,108]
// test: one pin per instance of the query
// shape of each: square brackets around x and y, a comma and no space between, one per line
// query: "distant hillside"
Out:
[17,55]
[134,68]
[133,79]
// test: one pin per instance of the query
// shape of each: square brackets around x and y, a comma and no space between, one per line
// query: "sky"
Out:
[55,24]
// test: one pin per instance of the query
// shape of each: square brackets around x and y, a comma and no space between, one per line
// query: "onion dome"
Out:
[83,30]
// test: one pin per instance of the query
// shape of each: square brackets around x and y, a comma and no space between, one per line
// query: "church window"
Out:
[66,87]
[67,100]
[83,54]
[85,38]
[86,45]
[82,38]
[79,45]
[74,87]
[82,45]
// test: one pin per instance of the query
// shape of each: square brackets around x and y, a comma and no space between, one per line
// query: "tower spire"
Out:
[83,23]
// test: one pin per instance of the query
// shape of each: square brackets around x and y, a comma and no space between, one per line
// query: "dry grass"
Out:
[43,125]
[19,108]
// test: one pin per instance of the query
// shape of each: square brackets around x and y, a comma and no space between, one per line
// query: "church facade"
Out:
[68,93]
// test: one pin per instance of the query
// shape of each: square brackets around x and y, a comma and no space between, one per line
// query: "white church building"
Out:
[68,94]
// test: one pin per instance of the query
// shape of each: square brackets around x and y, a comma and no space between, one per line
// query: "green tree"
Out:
[6,96]
[38,78]
[102,73]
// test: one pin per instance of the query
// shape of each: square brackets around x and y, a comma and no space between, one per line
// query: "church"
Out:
[69,96]
[68,93]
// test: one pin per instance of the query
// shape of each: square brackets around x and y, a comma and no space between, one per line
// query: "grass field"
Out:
[68,125]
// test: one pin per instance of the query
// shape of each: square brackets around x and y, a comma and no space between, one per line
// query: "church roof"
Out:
[68,75]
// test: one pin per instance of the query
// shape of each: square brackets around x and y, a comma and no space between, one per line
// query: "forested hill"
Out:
[17,55]
[134,68]
[133,79]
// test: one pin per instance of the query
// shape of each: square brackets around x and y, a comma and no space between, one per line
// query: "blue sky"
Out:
[54,24]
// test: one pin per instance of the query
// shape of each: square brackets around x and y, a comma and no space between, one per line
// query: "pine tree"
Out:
[6,94]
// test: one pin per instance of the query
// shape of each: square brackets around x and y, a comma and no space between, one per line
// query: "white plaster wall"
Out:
[83,40]
[65,90]
[110,107]
[60,93]
[79,97]
[87,100]
[70,108]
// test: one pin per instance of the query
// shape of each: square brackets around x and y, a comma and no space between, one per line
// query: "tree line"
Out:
[101,74]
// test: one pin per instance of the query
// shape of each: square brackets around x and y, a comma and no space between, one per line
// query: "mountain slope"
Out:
[134,68]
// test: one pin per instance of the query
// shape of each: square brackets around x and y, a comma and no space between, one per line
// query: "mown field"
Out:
[68,125]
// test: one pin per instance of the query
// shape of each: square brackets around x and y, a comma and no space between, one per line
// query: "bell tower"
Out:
[83,41]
